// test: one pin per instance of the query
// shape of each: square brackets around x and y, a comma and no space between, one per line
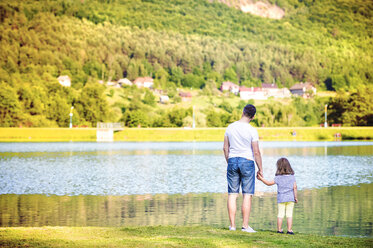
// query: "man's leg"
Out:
[232,206]
[247,168]
[234,180]
[246,208]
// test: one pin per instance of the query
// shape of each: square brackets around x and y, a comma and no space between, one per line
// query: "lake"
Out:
[180,183]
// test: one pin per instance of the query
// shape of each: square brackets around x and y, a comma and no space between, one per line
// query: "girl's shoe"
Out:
[232,228]
[289,232]
[280,232]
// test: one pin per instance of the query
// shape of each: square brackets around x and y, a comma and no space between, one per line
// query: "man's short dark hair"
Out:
[249,110]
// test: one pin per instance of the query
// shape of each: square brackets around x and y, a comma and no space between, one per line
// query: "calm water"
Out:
[118,184]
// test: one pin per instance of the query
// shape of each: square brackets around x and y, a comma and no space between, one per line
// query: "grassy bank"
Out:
[269,134]
[47,134]
[164,236]
[180,134]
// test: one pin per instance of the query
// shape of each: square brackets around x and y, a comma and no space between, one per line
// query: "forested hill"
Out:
[178,43]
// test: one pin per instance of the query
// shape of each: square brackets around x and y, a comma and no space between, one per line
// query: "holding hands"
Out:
[259,174]
[260,177]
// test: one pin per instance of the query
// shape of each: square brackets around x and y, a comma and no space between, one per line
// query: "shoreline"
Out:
[185,134]
[166,236]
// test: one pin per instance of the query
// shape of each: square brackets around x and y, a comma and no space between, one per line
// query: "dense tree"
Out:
[226,106]
[193,81]
[91,104]
[10,109]
[213,119]
[352,110]
[136,118]
[95,40]
[149,98]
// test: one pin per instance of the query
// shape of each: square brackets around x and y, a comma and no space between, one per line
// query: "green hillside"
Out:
[181,44]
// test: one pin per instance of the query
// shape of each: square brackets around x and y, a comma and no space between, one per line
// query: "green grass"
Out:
[181,134]
[47,134]
[268,134]
[164,236]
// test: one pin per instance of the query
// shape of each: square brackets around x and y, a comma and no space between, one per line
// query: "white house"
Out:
[273,90]
[64,80]
[283,93]
[252,93]
[185,96]
[146,82]
[124,81]
[229,86]
[303,90]
[164,99]
[111,83]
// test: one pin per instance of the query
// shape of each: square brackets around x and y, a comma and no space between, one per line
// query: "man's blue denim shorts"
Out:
[241,171]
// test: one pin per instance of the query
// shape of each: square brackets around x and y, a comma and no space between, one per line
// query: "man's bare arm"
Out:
[226,148]
[257,157]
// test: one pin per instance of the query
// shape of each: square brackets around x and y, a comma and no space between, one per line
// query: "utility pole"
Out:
[326,117]
[71,117]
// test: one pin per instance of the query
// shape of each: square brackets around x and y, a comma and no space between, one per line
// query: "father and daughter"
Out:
[241,149]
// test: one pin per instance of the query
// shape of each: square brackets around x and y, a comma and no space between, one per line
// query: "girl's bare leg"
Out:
[290,224]
[279,224]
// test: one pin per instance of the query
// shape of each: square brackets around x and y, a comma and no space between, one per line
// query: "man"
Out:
[241,148]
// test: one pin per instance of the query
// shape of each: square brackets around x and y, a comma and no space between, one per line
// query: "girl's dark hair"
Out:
[284,167]
[249,110]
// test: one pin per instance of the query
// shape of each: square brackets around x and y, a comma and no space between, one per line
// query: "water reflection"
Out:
[340,210]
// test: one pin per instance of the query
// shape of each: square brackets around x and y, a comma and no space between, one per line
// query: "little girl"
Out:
[286,193]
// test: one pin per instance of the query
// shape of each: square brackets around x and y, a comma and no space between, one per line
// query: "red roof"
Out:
[185,94]
[252,89]
[300,86]
[271,86]
[227,83]
[143,80]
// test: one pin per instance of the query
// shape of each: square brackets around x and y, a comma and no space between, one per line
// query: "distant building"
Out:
[146,82]
[229,86]
[111,83]
[185,96]
[124,81]
[269,86]
[160,91]
[164,99]
[255,93]
[304,90]
[64,80]
[282,93]
[273,91]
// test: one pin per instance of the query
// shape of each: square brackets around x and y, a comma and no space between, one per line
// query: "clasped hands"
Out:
[259,174]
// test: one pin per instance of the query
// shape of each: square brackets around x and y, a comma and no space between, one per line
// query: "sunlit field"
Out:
[184,134]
